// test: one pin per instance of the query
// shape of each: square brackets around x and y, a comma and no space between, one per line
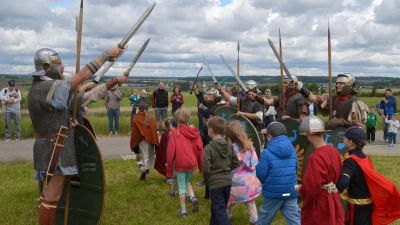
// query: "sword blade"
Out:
[109,65]
[279,59]
[130,67]
[209,69]
[234,74]
[139,23]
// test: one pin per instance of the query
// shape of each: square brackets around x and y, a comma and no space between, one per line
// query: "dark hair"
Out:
[364,143]
[217,124]
[389,90]
[371,107]
[179,88]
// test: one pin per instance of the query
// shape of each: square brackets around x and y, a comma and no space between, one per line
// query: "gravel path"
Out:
[117,147]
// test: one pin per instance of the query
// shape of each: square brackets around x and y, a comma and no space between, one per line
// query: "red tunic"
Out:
[320,207]
[161,154]
[384,194]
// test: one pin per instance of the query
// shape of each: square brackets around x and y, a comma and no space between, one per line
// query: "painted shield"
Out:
[87,191]
[250,130]
[89,126]
[300,143]
[225,111]
[333,139]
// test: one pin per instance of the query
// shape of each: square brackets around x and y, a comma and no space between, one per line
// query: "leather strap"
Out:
[58,146]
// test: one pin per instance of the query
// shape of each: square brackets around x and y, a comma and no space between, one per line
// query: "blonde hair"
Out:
[143,107]
[235,132]
[182,118]
[135,90]
[143,91]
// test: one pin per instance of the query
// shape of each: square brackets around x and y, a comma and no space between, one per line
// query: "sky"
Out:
[365,35]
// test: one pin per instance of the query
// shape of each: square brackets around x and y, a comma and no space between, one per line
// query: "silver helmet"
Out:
[251,85]
[311,125]
[47,56]
[286,78]
[348,80]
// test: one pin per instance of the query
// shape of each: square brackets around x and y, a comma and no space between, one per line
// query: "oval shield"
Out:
[86,197]
[225,111]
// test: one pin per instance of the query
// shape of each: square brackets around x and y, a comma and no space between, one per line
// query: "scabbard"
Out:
[58,146]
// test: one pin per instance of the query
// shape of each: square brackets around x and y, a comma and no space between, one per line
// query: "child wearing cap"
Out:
[277,171]
[372,199]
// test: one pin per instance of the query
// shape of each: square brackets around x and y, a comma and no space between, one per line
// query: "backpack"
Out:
[378,106]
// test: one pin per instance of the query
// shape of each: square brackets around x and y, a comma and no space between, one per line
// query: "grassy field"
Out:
[130,201]
[98,114]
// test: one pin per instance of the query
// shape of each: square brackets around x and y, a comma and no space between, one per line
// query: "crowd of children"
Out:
[232,172]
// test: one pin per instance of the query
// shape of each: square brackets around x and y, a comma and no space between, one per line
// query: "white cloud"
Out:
[364,35]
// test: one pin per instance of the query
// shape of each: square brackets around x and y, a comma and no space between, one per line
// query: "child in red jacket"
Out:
[185,152]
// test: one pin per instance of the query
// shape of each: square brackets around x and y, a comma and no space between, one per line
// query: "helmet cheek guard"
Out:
[349,83]
[47,56]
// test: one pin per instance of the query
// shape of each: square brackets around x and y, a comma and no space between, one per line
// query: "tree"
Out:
[313,87]
[275,89]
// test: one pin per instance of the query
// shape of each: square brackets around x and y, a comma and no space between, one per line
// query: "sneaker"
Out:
[143,176]
[169,181]
[172,194]
[394,145]
[116,133]
[110,133]
[384,140]
[390,145]
[18,139]
[147,176]
[7,139]
[373,142]
[183,215]
[195,205]
[201,183]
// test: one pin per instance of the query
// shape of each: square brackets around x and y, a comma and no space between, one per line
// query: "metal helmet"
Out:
[47,56]
[286,78]
[251,85]
[348,80]
[311,125]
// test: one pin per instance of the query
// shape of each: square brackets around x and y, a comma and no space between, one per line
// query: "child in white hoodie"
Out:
[392,131]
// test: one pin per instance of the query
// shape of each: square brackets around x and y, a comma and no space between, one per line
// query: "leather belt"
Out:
[49,134]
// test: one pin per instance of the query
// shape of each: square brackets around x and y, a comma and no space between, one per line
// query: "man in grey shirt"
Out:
[111,100]
[10,100]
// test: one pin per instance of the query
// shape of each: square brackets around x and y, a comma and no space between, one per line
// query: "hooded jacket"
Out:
[219,161]
[185,150]
[277,169]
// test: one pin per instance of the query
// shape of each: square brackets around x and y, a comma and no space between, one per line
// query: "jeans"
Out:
[219,201]
[385,127]
[8,116]
[270,206]
[392,138]
[113,115]
[200,117]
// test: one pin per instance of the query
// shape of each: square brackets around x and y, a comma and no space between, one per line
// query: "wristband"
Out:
[105,56]
[305,92]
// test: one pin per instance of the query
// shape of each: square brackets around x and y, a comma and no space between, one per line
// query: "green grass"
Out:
[130,201]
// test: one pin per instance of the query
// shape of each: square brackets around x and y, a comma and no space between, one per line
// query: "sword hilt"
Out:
[112,59]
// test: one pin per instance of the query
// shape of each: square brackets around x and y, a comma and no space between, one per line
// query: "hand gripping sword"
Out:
[280,60]
[109,65]
[130,67]
[133,30]
[234,74]
[209,69]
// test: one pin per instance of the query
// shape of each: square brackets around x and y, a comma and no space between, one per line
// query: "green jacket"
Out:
[372,120]
[219,159]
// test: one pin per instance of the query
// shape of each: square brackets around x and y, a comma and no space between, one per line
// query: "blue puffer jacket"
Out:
[277,169]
